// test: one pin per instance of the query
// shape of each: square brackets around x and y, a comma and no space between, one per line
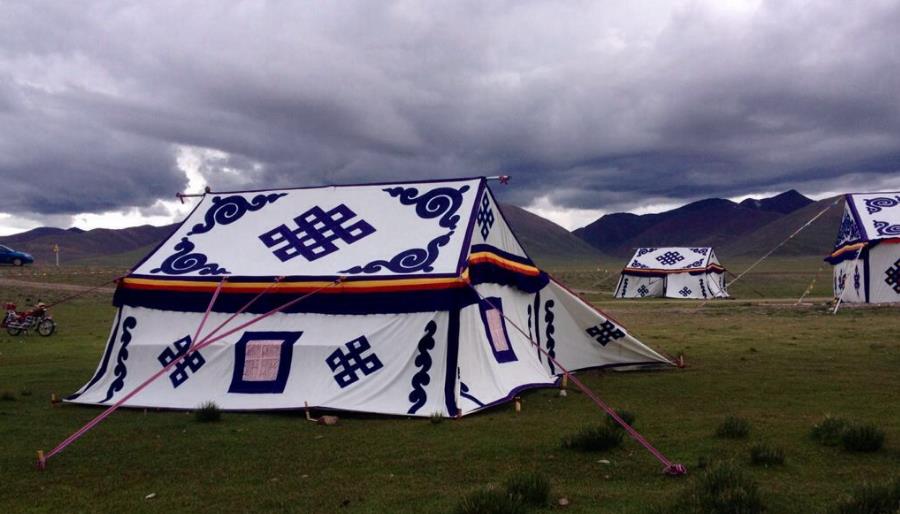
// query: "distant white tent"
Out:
[409,299]
[673,272]
[866,254]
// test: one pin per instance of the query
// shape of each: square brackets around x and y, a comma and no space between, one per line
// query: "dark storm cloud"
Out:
[592,105]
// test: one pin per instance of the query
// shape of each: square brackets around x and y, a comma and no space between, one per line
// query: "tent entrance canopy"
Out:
[866,253]
[673,272]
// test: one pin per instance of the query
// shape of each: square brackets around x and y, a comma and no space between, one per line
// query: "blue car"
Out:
[14,257]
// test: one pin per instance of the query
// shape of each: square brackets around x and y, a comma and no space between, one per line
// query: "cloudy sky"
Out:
[108,108]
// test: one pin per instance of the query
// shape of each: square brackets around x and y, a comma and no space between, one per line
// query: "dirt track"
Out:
[55,286]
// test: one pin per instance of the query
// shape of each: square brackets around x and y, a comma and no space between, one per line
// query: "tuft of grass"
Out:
[762,454]
[594,438]
[436,418]
[872,499]
[862,438]
[723,488]
[627,417]
[7,396]
[490,501]
[829,431]
[208,412]
[734,428]
[532,489]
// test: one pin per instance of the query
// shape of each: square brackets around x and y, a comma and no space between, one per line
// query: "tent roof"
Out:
[375,230]
[877,215]
[671,259]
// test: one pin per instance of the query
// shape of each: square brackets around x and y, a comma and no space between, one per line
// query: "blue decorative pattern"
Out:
[848,232]
[550,343]
[485,216]
[121,370]
[183,261]
[315,233]
[645,251]
[183,370]
[685,292]
[605,333]
[625,286]
[700,251]
[643,290]
[669,258]
[703,288]
[441,201]
[352,362]
[636,264]
[225,211]
[856,279]
[418,396]
[874,205]
[695,264]
[464,392]
[262,362]
[893,276]
[407,261]
[886,229]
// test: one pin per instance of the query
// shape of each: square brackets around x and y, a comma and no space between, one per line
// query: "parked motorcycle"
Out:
[38,318]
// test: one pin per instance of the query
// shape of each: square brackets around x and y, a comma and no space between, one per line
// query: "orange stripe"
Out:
[492,258]
[849,248]
[363,286]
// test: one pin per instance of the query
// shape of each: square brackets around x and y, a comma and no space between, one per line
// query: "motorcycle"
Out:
[38,318]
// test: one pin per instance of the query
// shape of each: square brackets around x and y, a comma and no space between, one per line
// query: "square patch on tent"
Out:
[262,362]
[495,328]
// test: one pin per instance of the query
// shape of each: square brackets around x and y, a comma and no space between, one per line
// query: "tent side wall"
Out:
[640,286]
[882,267]
[381,363]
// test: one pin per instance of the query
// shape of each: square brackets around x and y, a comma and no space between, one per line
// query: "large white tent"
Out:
[408,298]
[673,272]
[866,255]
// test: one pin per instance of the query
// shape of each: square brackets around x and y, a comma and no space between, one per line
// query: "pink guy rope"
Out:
[208,308]
[670,468]
[42,460]
[84,292]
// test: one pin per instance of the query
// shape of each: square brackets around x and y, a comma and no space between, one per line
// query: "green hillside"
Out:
[816,239]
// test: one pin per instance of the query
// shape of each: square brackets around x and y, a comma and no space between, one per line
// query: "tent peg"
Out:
[41,461]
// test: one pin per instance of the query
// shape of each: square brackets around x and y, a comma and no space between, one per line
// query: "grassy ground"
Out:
[779,366]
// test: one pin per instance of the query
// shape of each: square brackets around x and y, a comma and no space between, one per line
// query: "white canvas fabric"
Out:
[305,232]
[866,254]
[442,329]
[673,272]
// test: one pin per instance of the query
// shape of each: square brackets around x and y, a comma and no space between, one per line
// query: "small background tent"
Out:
[425,319]
[866,255]
[673,273]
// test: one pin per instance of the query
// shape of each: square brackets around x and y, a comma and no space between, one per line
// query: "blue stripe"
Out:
[452,363]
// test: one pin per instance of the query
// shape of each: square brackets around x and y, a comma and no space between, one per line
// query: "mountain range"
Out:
[722,224]
[748,228]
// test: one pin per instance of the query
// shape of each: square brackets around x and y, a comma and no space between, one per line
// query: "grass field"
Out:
[780,366]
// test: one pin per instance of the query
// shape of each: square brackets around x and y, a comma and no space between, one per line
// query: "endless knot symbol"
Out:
[605,333]
[485,217]
[193,362]
[316,230]
[685,292]
[353,361]
[643,291]
[893,276]
[669,258]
